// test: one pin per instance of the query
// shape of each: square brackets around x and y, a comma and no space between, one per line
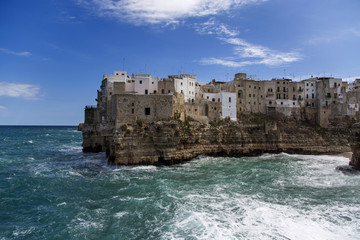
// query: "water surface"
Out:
[49,189]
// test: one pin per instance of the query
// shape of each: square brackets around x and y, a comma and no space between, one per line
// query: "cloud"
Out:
[20,90]
[7,51]
[162,11]
[213,27]
[350,79]
[244,53]
[2,108]
[330,37]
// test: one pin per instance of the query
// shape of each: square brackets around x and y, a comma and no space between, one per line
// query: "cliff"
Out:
[355,146]
[169,142]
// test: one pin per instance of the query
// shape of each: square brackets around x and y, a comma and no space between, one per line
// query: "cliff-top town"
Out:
[124,99]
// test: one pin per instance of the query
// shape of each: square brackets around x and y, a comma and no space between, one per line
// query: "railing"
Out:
[90,106]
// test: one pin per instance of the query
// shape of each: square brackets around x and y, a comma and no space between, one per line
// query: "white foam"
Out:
[75,174]
[143,168]
[21,233]
[235,216]
[120,214]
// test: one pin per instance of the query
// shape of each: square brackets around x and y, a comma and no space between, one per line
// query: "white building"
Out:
[186,84]
[145,84]
[228,103]
[310,89]
[228,100]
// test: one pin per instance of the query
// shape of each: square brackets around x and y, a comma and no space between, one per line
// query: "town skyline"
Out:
[54,55]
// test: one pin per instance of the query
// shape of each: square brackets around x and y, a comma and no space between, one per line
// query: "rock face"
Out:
[355,146]
[169,142]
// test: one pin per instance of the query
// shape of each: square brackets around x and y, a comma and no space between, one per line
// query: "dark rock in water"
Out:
[348,169]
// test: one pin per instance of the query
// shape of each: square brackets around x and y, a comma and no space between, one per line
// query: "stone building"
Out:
[126,100]
[185,84]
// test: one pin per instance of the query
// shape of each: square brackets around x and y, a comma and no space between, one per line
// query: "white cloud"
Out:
[244,53]
[212,27]
[330,37]
[2,108]
[21,90]
[350,79]
[162,11]
[7,51]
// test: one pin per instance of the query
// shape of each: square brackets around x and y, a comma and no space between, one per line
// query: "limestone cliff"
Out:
[169,142]
[355,146]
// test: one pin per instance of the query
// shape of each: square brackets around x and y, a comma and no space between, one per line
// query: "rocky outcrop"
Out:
[355,146]
[169,142]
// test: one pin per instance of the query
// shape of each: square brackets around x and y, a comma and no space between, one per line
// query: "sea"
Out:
[49,189]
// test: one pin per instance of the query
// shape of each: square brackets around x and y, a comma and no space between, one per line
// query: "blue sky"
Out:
[53,53]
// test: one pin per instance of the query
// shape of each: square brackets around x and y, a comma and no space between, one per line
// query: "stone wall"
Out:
[127,108]
[172,142]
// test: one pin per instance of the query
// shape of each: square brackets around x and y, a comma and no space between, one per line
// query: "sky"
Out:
[53,53]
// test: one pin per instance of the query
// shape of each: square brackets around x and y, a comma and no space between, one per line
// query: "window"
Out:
[140,82]
[147,111]
[218,99]
[213,99]
[254,87]
[293,103]
[146,91]
[312,96]
[253,95]
[132,111]
[163,91]
[249,95]
[132,104]
[312,84]
[207,97]
[229,99]
[181,84]
[249,86]
[181,91]
[154,91]
[168,91]
[152,82]
[307,84]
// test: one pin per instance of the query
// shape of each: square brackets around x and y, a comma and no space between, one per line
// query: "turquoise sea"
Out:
[49,189]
